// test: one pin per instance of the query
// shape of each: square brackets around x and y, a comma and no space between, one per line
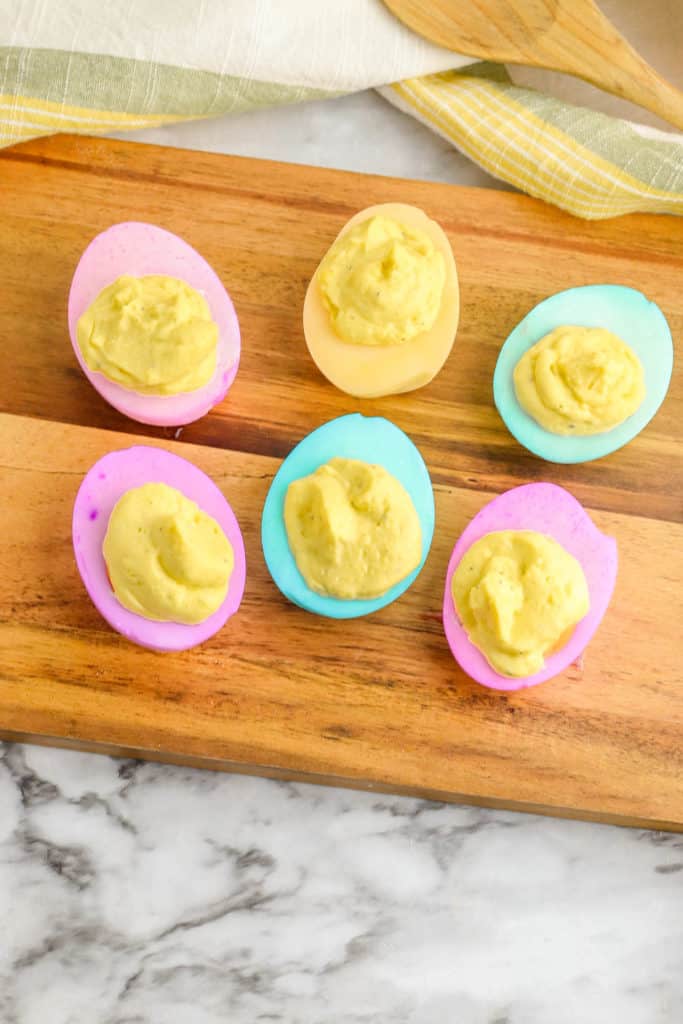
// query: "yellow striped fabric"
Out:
[26,117]
[544,151]
[587,163]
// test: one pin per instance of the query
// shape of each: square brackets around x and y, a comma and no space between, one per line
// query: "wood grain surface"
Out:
[573,36]
[376,703]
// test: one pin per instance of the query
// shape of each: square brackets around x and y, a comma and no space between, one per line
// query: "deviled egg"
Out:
[349,518]
[152,326]
[527,585]
[158,547]
[584,372]
[381,311]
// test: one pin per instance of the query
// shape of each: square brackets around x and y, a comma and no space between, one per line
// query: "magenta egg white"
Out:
[548,509]
[102,486]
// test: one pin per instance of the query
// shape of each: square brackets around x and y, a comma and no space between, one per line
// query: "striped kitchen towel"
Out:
[84,66]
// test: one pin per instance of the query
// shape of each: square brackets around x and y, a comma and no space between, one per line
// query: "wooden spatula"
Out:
[561,35]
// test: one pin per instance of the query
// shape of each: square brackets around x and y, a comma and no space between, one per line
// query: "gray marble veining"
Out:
[147,894]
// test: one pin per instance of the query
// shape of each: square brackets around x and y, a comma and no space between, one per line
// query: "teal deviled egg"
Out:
[584,372]
[349,518]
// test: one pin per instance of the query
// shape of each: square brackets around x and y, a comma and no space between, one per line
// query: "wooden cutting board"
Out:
[376,703]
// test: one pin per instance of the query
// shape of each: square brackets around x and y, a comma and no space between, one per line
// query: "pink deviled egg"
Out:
[550,510]
[107,481]
[138,250]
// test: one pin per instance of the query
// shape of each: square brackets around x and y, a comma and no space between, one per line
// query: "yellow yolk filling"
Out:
[167,559]
[382,283]
[352,528]
[518,594]
[152,334]
[579,380]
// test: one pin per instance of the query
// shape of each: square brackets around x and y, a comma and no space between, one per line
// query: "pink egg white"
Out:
[551,510]
[102,486]
[139,249]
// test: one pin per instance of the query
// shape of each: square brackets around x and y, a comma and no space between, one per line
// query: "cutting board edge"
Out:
[37,150]
[282,774]
[535,226]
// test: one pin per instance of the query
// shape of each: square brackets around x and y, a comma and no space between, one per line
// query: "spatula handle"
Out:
[561,35]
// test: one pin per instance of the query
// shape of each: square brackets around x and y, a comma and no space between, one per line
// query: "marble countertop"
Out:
[145,894]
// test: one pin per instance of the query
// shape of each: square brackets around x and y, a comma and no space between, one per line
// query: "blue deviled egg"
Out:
[624,312]
[377,444]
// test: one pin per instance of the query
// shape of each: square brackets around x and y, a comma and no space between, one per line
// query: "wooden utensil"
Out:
[573,36]
[377,703]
